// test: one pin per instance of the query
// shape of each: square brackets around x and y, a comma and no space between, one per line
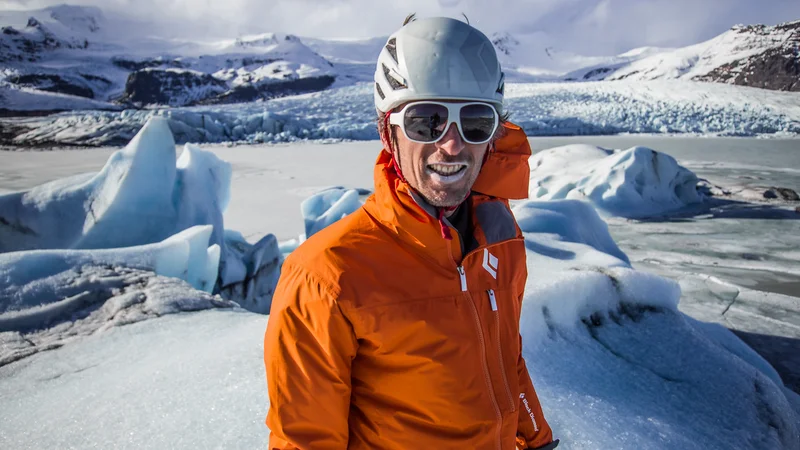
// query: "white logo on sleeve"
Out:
[530,413]
[490,263]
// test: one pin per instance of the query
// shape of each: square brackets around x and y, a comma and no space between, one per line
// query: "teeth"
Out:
[446,169]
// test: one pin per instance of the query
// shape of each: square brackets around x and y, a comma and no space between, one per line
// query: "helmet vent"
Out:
[380,91]
[391,47]
[392,79]
[501,86]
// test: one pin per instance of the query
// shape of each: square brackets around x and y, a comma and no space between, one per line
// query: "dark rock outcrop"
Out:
[147,63]
[264,91]
[776,68]
[55,83]
[597,73]
[171,87]
[782,194]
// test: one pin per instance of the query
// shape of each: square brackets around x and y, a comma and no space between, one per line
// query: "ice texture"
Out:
[144,195]
[542,109]
[327,207]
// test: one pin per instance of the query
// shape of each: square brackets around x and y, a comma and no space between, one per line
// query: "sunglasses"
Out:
[427,121]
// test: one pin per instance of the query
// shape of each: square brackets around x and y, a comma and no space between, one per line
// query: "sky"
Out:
[588,27]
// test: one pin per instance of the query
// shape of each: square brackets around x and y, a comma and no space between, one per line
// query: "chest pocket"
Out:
[502,344]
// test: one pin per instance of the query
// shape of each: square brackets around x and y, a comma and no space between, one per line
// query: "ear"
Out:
[385,132]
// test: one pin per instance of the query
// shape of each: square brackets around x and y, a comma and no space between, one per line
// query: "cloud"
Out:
[581,26]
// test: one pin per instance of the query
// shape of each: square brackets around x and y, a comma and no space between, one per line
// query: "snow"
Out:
[181,381]
[536,56]
[692,62]
[636,182]
[557,240]
[614,362]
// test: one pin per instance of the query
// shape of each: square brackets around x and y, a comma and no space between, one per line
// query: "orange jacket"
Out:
[382,335]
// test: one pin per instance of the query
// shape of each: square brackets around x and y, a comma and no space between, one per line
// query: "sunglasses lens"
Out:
[477,123]
[425,122]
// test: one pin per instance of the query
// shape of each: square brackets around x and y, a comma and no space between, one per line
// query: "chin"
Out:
[441,199]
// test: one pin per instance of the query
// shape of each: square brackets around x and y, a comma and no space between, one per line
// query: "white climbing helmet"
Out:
[437,59]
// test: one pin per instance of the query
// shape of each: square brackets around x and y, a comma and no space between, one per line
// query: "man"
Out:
[398,326]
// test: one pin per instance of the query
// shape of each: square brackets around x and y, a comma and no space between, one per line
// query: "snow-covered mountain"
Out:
[77,51]
[757,55]
[74,57]
[537,57]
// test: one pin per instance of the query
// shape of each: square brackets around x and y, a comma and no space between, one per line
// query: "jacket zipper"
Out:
[493,301]
[488,378]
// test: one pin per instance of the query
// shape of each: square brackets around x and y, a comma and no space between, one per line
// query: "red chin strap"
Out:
[387,137]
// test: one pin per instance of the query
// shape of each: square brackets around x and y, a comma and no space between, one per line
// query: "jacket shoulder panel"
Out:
[495,221]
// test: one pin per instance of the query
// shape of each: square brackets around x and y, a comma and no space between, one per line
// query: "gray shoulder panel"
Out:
[496,222]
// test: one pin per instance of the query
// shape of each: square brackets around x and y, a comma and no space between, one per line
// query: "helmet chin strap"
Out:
[387,137]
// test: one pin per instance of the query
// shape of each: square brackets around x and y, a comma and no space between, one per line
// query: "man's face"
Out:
[442,172]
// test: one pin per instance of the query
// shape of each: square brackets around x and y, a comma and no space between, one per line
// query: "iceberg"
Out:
[328,206]
[51,296]
[631,183]
[143,195]
[617,365]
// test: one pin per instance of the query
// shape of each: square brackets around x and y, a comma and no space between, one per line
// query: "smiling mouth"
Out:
[448,169]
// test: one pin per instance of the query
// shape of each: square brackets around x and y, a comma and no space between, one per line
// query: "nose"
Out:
[451,143]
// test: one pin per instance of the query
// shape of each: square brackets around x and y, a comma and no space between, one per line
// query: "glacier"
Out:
[347,113]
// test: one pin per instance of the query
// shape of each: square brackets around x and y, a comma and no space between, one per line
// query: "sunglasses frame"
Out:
[453,116]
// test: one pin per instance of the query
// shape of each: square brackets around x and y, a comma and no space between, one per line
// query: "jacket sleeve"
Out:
[308,349]
[533,431]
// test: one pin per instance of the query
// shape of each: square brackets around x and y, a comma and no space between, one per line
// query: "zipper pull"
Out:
[492,299]
[463,278]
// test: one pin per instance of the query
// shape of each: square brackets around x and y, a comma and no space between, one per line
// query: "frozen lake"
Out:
[719,259]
